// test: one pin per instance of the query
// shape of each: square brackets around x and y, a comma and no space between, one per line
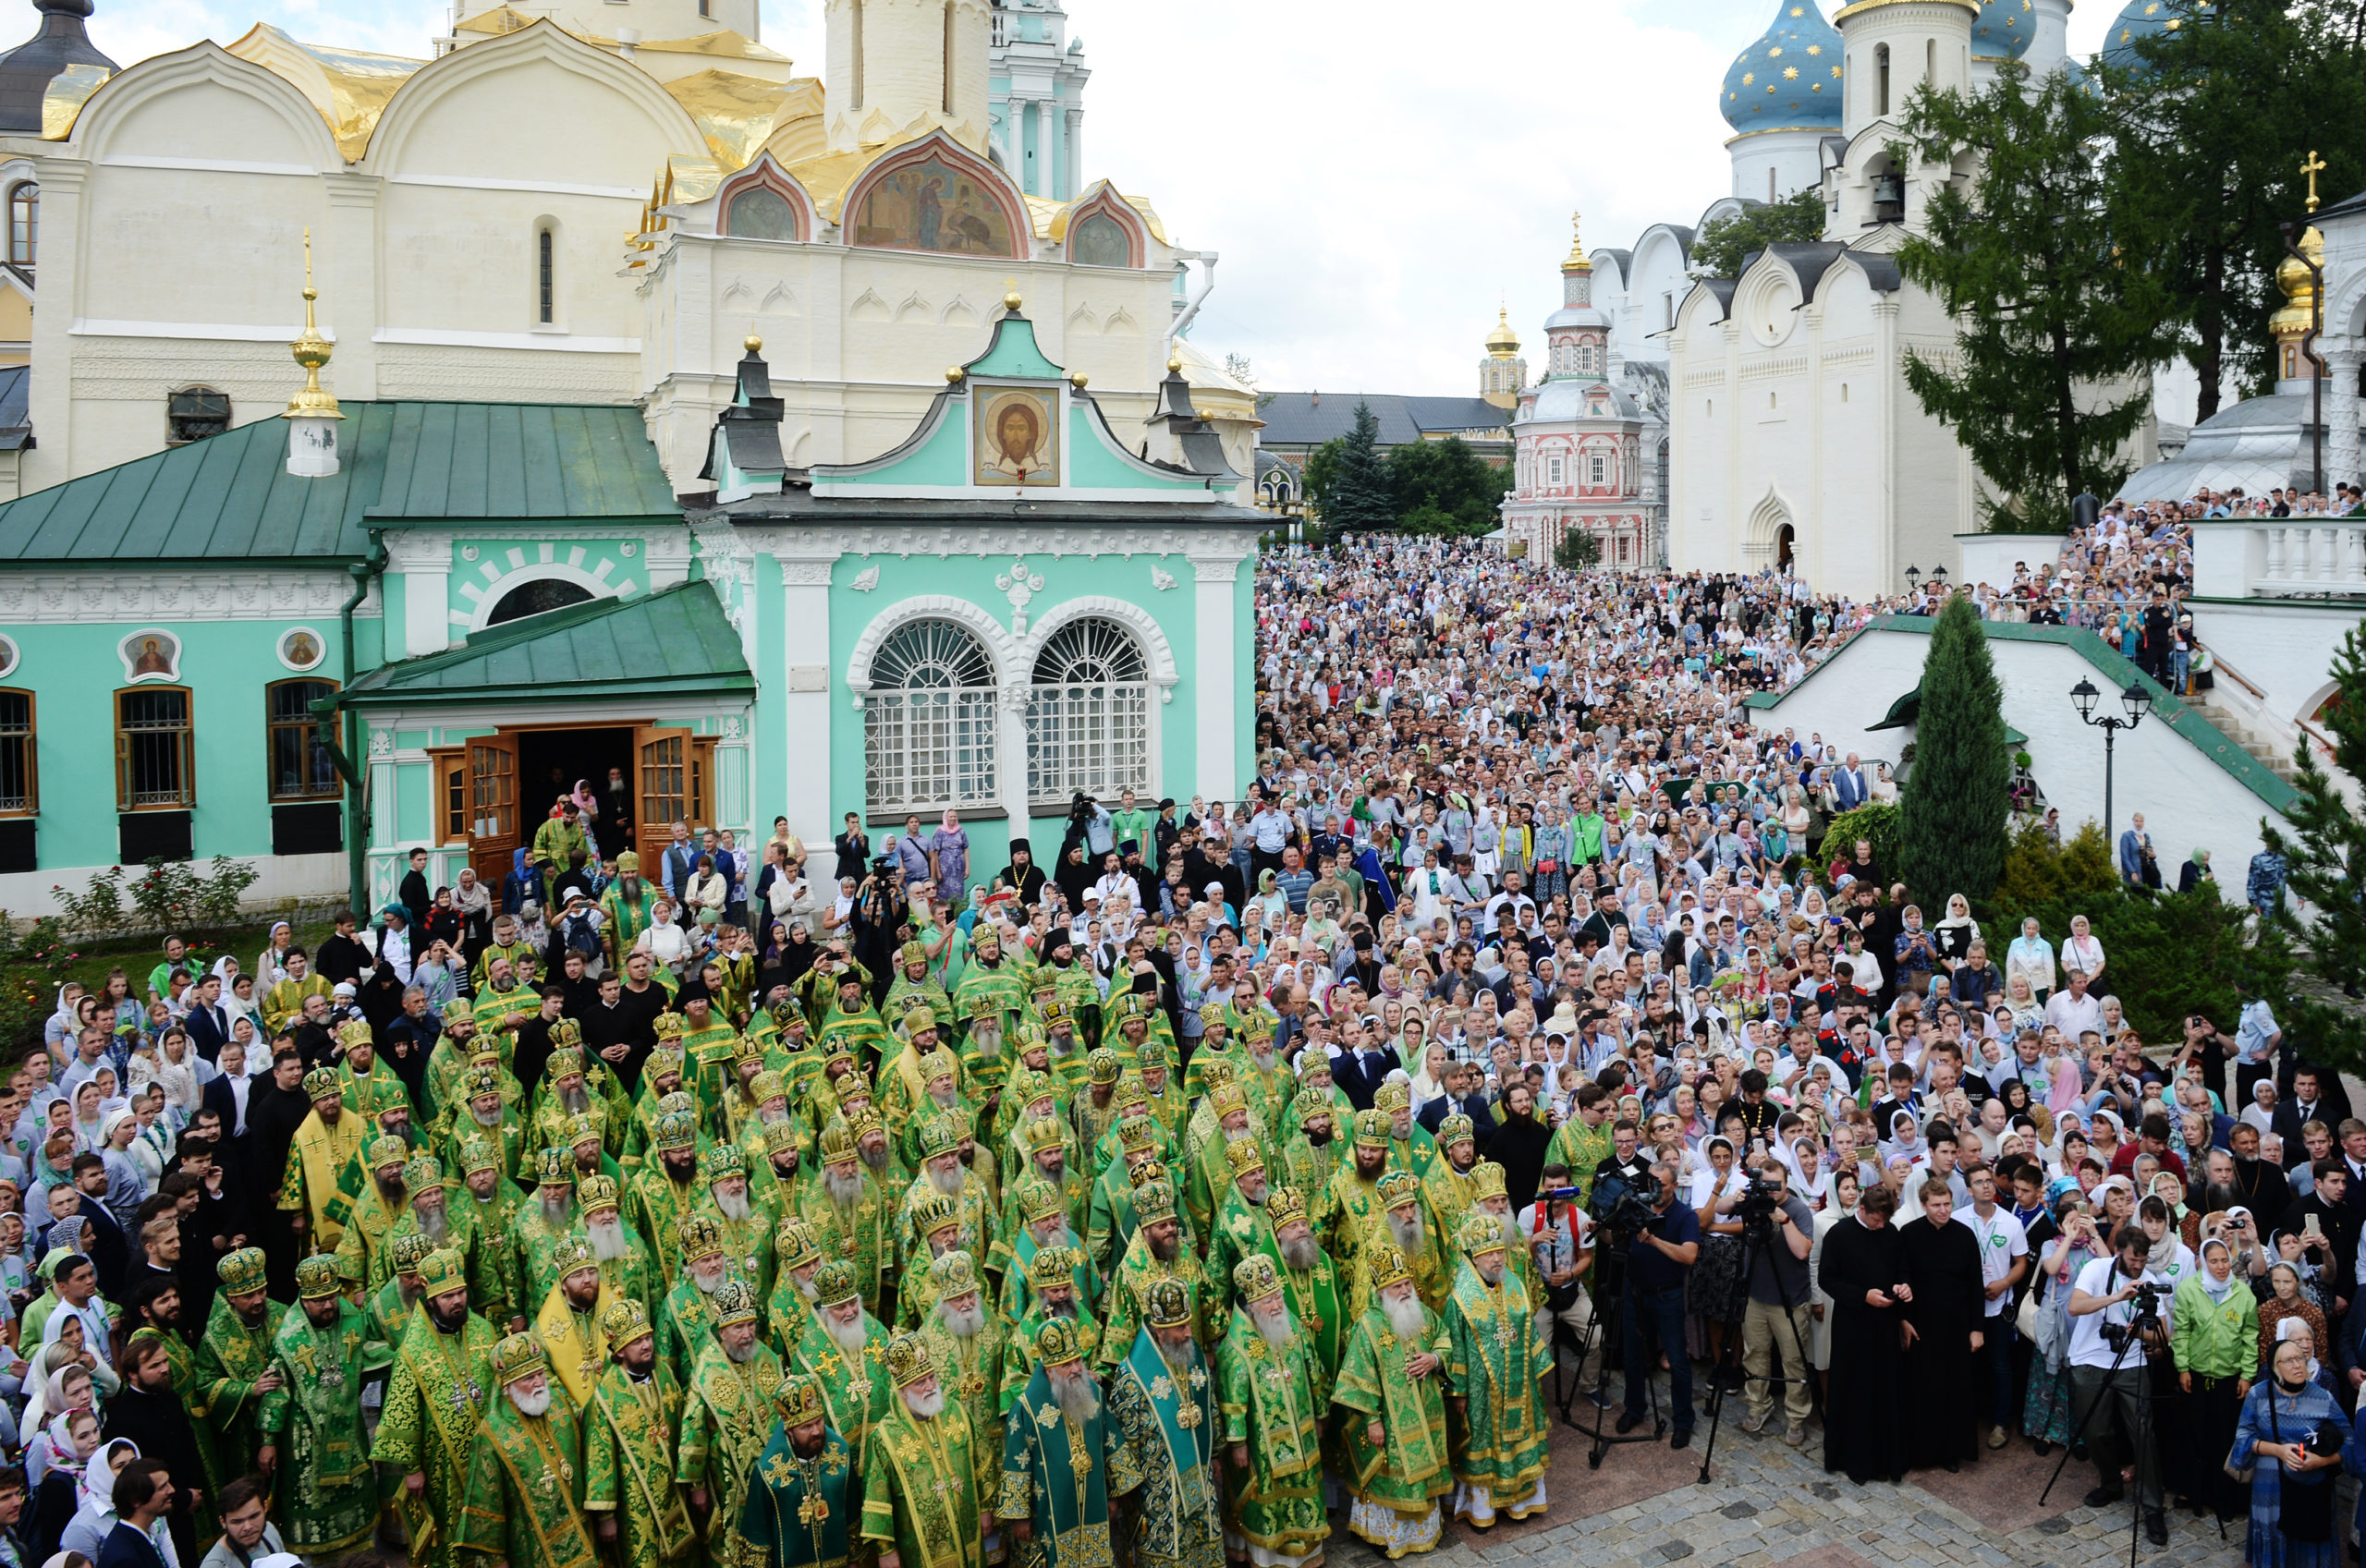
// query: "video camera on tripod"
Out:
[2144,1311]
[1757,1204]
[1625,1204]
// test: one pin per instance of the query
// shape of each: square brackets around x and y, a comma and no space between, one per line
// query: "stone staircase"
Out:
[2248,726]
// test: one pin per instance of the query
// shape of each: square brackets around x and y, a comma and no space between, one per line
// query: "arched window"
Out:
[546,274]
[929,733]
[1088,715]
[24,222]
[761,213]
[1881,79]
[536,598]
[193,413]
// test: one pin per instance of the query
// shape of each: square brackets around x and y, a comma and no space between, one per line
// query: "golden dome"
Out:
[1576,262]
[2300,287]
[1502,343]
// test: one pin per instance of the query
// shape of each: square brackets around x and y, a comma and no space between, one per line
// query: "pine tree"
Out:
[1361,494]
[2324,855]
[2058,321]
[1954,806]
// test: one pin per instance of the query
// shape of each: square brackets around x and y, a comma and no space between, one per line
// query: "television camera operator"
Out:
[1659,1258]
[1778,1287]
[2116,1322]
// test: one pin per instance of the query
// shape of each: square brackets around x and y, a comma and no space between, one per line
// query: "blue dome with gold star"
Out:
[2003,30]
[1790,77]
[2148,18]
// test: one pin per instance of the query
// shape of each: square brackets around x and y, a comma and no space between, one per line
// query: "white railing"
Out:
[2280,557]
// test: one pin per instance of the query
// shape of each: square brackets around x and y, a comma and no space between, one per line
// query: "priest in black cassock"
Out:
[1864,1270]
[1945,1315]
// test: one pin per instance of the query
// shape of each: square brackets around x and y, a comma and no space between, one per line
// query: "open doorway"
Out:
[1783,537]
[550,762]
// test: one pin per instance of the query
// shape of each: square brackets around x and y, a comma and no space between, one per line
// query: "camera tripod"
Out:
[1758,1237]
[2139,1440]
[1609,1305]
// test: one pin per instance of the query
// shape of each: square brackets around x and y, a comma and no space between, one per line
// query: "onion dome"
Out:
[2003,30]
[2140,19]
[26,70]
[1502,343]
[1789,78]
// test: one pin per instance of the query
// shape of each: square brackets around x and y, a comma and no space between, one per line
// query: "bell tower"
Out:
[1503,373]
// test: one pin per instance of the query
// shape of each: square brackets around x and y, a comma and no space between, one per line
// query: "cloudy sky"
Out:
[1378,176]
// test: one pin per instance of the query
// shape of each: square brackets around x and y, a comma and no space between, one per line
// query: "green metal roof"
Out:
[230,496]
[675,643]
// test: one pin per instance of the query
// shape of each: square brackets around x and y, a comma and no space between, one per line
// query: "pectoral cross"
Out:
[2312,167]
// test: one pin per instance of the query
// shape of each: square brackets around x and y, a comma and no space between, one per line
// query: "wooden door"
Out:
[665,790]
[494,823]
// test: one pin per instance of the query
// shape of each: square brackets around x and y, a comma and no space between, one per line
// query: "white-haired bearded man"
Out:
[524,1504]
[921,1504]
[1063,1461]
[1392,1386]
[1266,1368]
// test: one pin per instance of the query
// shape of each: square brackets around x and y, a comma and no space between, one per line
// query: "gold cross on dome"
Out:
[2312,167]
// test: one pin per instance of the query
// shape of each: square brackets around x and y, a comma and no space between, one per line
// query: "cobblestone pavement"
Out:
[1767,1504]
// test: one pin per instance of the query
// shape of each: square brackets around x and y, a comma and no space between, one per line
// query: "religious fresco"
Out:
[1016,439]
[1101,242]
[932,206]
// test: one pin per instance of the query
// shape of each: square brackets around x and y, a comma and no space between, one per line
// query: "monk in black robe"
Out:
[1945,1315]
[1863,1271]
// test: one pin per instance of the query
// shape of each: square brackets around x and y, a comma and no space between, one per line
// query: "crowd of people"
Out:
[1243,1172]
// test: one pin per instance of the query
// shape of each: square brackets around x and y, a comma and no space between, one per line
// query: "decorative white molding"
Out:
[46,596]
[1021,586]
[1226,540]
[538,342]
[422,550]
[865,581]
[1160,578]
[212,331]
[1000,645]
[1214,569]
[795,572]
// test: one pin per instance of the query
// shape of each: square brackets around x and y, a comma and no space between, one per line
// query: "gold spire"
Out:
[312,351]
[1502,343]
[2312,167]
[1576,262]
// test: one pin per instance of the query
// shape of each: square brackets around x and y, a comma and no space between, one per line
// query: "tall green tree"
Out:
[2324,855]
[1953,810]
[1357,493]
[2206,160]
[1724,244]
[1445,486]
[2057,328]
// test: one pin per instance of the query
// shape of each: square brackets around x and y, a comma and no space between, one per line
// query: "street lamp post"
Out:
[2136,701]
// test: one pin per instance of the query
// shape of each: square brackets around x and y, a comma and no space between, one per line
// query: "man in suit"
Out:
[208,1021]
[143,1495]
[229,1097]
[1361,1064]
[2304,1105]
[681,858]
[102,1236]
[1462,1098]
[1848,785]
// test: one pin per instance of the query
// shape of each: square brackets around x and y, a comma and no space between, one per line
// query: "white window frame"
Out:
[931,733]
[1090,726]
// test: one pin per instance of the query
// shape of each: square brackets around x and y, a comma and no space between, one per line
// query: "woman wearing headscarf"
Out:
[2290,1297]
[2289,1437]
[2214,1339]
[95,1518]
[1956,932]
[472,901]
[2031,958]
[2081,951]
[271,964]
[2049,1410]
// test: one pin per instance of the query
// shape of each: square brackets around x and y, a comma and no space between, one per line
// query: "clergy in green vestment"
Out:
[544,1224]
[727,1412]
[1063,1461]
[1496,1361]
[486,1203]
[388,1310]
[966,1344]
[622,1257]
[637,1508]
[524,1506]
[666,1191]
[361,1245]
[1093,1111]
[1044,1223]
[434,1402]
[789,1311]
[806,1486]
[1272,1427]
[1157,1253]
[1052,1293]
[920,1505]
[233,1361]
[327,1489]
[1392,1386]
[843,1350]
[1164,1400]
[688,1314]
[1207,1176]
[1410,1146]
[1402,1219]
[1242,1228]
[1310,1283]
[852,1217]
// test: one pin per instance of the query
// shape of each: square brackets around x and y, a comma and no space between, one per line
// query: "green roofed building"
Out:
[469,608]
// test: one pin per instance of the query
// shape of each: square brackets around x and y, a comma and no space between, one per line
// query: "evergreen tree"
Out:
[1444,487]
[1578,550]
[2057,328]
[1361,493]
[2206,160]
[1955,803]
[2325,856]
[1724,244]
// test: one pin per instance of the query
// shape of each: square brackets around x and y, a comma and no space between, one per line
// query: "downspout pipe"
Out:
[365,573]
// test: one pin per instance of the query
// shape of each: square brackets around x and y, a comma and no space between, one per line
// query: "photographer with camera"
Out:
[1560,1239]
[2115,1324]
[1778,1289]
[1661,1254]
